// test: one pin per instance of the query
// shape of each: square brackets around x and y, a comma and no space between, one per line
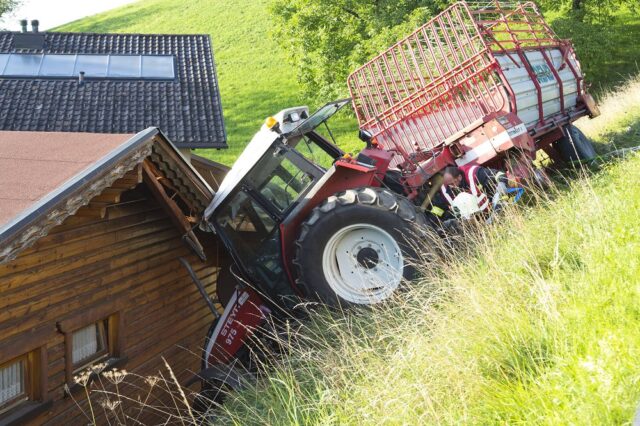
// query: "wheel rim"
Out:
[362,263]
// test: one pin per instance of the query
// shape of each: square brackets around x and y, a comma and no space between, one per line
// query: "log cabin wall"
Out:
[113,263]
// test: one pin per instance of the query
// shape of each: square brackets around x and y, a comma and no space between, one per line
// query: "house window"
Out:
[23,383]
[48,65]
[90,344]
[13,383]
[92,337]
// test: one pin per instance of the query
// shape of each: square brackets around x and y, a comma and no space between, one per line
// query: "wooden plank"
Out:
[130,180]
[91,313]
[141,310]
[69,265]
[72,249]
[132,208]
[27,341]
[148,319]
[170,207]
[93,230]
[150,348]
[92,210]
[109,195]
[18,311]
[177,216]
[62,296]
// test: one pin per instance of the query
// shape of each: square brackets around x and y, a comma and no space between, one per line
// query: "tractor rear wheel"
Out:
[575,146]
[355,248]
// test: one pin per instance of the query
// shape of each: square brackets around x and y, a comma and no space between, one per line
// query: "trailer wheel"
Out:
[355,247]
[575,146]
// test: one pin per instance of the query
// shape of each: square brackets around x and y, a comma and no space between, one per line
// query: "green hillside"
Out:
[255,79]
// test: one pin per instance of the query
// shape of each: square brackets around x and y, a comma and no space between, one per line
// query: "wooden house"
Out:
[91,230]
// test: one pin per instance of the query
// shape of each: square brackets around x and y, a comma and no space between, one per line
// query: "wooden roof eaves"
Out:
[180,172]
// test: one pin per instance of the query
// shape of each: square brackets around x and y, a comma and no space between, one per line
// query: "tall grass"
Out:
[534,321]
[618,127]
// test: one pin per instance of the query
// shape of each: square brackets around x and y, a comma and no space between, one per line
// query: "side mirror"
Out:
[365,137]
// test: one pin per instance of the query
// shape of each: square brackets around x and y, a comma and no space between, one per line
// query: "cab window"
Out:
[314,153]
[285,185]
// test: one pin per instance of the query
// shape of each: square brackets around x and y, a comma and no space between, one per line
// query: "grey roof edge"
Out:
[204,160]
[217,86]
[201,145]
[135,149]
[55,31]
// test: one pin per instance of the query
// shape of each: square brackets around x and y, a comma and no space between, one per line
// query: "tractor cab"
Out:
[280,166]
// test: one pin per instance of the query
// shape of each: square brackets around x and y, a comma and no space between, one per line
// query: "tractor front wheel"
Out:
[356,247]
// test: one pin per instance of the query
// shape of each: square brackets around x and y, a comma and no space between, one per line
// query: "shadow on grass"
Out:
[626,137]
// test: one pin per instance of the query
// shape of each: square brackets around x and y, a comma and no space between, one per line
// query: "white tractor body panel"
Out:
[288,119]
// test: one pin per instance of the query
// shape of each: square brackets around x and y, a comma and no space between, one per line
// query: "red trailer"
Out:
[469,86]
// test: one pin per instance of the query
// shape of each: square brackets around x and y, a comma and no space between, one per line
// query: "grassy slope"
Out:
[538,326]
[255,80]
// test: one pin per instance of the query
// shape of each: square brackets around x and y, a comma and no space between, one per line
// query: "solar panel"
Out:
[124,66]
[57,65]
[146,67]
[92,65]
[157,67]
[26,65]
[3,62]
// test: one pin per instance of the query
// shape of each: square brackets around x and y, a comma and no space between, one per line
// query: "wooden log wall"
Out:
[117,255]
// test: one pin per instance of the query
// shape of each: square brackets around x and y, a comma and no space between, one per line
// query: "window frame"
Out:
[112,312]
[27,382]
[102,354]
[29,348]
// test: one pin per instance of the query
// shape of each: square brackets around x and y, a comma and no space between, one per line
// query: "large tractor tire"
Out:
[575,146]
[356,247]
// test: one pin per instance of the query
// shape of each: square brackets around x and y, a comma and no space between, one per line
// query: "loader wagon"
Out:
[467,85]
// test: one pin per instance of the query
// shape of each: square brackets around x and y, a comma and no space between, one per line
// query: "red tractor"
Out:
[489,85]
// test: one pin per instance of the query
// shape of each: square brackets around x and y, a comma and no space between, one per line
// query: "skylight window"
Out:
[24,65]
[92,65]
[152,67]
[57,65]
[124,66]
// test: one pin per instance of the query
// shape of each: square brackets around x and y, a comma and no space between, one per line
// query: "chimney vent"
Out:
[81,78]
[23,25]
[34,25]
